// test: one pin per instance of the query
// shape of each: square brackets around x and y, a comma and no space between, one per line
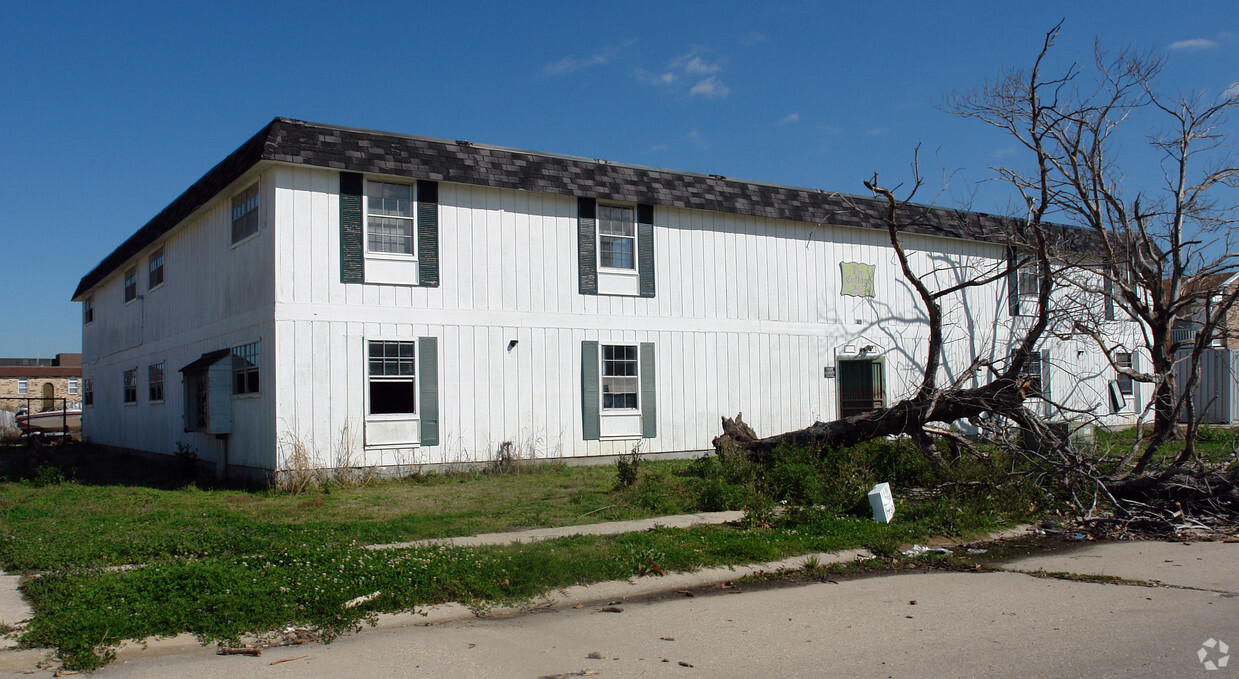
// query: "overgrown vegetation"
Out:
[225,563]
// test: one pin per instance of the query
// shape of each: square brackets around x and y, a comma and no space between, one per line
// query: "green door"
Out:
[862,385]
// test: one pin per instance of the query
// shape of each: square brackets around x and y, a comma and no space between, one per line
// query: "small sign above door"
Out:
[857,279]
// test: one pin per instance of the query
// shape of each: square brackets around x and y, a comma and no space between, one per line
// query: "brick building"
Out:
[40,383]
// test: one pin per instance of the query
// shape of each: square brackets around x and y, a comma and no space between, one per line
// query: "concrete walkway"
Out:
[608,528]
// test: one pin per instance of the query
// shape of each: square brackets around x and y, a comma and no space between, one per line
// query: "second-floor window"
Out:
[131,283]
[73,386]
[390,218]
[617,237]
[245,214]
[88,310]
[155,269]
[88,392]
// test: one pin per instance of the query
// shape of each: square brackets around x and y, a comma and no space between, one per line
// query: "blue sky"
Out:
[110,110]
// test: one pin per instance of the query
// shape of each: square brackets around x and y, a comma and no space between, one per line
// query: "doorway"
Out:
[862,385]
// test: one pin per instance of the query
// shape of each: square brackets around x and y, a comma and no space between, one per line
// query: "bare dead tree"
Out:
[1147,253]
[1160,248]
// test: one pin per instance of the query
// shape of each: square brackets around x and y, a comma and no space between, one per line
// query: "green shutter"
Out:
[645,249]
[587,244]
[1013,283]
[879,383]
[427,233]
[428,392]
[591,416]
[352,257]
[649,405]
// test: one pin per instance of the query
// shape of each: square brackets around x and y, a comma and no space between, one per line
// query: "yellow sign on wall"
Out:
[857,279]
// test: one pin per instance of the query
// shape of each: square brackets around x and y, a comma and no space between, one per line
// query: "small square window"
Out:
[245,214]
[131,283]
[155,269]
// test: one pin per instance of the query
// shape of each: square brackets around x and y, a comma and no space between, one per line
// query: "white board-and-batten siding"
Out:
[747,313]
[215,295]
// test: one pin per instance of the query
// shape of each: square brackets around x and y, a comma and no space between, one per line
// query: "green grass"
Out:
[223,563]
[1213,444]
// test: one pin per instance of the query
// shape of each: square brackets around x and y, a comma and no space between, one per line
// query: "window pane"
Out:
[392,397]
[389,199]
[616,252]
[385,234]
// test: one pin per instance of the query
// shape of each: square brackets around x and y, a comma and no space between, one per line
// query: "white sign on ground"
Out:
[882,503]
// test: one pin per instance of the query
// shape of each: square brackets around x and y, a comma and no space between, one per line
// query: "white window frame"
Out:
[72,386]
[151,382]
[412,220]
[634,270]
[130,281]
[129,381]
[243,352]
[245,210]
[1120,378]
[415,379]
[23,386]
[602,378]
[154,267]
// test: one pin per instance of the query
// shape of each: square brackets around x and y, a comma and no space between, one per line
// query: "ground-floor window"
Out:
[392,377]
[245,369]
[131,386]
[620,377]
[155,381]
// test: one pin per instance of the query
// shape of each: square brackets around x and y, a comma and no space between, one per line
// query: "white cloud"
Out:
[877,131]
[694,137]
[665,79]
[698,66]
[1232,91]
[789,118]
[1004,152]
[656,148]
[710,87]
[1193,44]
[754,38]
[604,56]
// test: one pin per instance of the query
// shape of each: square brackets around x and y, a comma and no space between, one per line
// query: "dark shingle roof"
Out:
[355,150]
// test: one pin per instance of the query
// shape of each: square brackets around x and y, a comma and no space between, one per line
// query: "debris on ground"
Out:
[918,550]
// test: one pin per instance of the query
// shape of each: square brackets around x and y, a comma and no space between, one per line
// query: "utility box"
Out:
[882,503]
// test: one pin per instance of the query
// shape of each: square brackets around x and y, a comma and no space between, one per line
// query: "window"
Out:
[131,283]
[88,392]
[154,380]
[393,377]
[23,385]
[155,268]
[131,386]
[245,214]
[1123,360]
[73,386]
[620,379]
[390,218]
[245,369]
[617,237]
[88,310]
[1034,375]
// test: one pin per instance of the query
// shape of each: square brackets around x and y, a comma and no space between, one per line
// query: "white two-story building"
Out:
[387,300]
